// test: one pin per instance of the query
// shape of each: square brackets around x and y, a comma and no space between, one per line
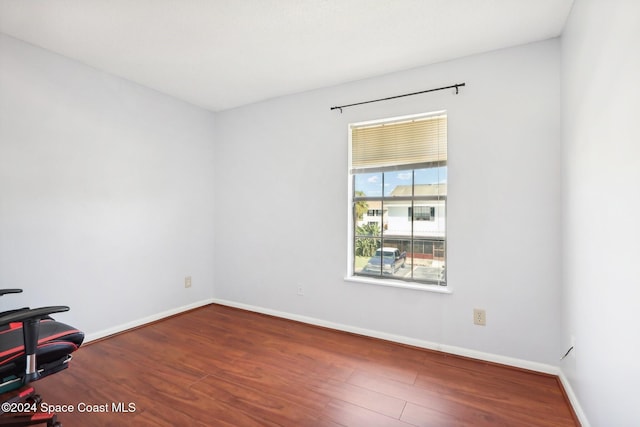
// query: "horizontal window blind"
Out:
[418,141]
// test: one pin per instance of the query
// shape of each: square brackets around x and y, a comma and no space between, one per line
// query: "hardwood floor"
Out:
[220,366]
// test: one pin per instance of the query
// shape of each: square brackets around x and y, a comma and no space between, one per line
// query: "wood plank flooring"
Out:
[221,366]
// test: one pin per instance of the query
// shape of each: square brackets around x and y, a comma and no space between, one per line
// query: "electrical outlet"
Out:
[479,317]
[187,281]
[300,291]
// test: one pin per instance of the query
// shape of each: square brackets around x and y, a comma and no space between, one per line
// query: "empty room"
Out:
[319,213]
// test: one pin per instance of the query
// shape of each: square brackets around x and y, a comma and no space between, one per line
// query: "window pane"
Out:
[368,218]
[365,249]
[428,218]
[395,261]
[368,185]
[388,261]
[398,183]
[437,175]
[428,260]
[396,222]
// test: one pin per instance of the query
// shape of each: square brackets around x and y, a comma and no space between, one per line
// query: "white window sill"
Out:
[400,284]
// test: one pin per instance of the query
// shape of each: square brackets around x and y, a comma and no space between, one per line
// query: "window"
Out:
[421,213]
[398,174]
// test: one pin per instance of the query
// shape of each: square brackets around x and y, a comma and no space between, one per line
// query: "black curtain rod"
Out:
[456,86]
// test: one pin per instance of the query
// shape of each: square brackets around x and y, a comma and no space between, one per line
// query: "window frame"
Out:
[351,276]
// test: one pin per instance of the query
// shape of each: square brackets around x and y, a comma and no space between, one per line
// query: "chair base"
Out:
[22,419]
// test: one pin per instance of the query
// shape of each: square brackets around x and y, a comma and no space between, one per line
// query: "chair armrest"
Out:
[33,314]
[10,291]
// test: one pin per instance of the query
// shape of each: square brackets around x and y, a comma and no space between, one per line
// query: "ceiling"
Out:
[220,54]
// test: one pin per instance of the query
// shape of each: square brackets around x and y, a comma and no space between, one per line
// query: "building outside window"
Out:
[398,193]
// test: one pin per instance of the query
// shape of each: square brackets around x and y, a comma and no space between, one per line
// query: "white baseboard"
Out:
[145,320]
[460,351]
[573,400]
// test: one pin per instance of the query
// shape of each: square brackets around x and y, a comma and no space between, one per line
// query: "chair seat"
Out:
[56,342]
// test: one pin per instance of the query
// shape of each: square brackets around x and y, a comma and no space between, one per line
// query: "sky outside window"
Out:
[371,183]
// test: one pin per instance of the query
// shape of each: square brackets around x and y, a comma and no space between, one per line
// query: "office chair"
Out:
[32,346]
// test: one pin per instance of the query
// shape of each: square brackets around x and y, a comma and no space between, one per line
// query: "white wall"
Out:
[601,174]
[106,198]
[290,155]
